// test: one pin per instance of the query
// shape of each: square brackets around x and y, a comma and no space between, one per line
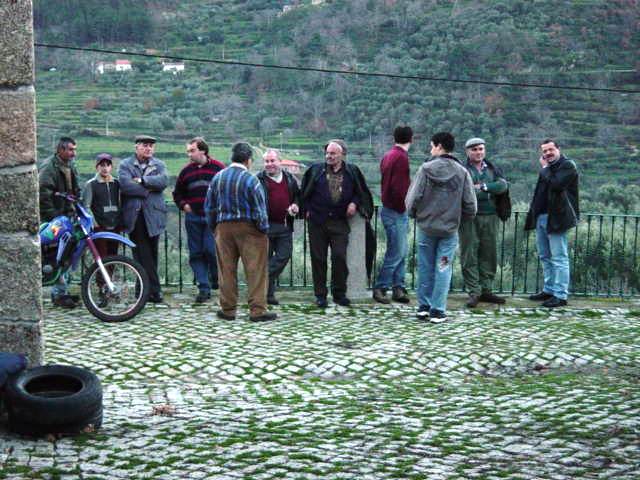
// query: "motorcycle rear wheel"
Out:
[131,289]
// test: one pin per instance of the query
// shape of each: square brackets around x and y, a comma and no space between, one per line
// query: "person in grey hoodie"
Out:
[439,196]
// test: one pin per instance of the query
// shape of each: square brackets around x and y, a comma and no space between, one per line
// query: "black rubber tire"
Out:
[139,299]
[53,399]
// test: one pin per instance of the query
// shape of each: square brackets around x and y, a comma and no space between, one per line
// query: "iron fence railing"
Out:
[603,256]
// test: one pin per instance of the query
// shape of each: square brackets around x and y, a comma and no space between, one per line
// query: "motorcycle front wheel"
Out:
[130,293]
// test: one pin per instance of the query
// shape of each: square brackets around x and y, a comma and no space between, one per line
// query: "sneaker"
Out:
[65,301]
[540,296]
[554,302]
[343,301]
[473,300]
[225,316]
[202,297]
[423,312]
[265,317]
[380,296]
[321,302]
[437,316]
[491,298]
[273,301]
[400,295]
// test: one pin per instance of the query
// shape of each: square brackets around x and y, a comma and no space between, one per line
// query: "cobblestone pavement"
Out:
[367,392]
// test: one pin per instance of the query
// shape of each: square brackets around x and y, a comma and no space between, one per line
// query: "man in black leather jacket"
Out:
[553,211]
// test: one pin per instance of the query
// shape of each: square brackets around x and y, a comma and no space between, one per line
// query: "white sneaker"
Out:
[437,316]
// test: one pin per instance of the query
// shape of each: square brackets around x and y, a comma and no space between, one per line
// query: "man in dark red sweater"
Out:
[189,195]
[282,194]
[394,168]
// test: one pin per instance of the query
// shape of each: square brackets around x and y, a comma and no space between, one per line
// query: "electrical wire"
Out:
[342,72]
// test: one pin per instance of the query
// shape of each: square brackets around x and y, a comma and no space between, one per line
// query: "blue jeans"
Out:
[435,268]
[60,288]
[554,255]
[392,271]
[202,252]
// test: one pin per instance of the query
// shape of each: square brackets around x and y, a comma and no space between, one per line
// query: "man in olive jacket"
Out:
[58,174]
[553,211]
[144,213]
[478,236]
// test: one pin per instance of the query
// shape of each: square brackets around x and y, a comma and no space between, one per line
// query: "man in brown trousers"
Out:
[236,211]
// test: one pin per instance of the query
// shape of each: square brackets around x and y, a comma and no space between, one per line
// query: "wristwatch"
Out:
[484,187]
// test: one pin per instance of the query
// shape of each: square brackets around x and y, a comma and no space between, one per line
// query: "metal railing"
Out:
[603,256]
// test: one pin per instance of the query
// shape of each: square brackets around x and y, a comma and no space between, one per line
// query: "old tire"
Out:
[54,399]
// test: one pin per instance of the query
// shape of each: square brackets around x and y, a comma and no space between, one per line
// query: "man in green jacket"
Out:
[478,243]
[58,174]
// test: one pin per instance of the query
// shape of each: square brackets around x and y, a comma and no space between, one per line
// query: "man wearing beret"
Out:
[332,192]
[553,211]
[144,214]
[478,244]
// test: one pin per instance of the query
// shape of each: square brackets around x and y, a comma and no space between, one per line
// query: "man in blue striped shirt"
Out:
[236,211]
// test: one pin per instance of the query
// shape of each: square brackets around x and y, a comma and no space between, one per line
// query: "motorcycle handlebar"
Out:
[66,196]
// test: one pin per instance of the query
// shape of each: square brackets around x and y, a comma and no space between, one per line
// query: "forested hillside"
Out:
[581,43]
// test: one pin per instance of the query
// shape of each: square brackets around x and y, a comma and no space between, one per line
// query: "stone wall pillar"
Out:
[20,283]
[357,280]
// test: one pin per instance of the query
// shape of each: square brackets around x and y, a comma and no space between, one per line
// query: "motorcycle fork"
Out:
[103,270]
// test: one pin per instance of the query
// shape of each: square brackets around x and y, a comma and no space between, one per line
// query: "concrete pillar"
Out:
[357,280]
[20,286]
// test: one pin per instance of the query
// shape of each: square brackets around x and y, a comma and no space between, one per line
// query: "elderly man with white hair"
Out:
[332,192]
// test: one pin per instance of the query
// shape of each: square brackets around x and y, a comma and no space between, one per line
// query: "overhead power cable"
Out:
[341,72]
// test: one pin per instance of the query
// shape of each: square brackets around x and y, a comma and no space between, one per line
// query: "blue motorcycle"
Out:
[114,288]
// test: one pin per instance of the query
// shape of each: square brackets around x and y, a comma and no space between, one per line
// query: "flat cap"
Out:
[472,142]
[145,139]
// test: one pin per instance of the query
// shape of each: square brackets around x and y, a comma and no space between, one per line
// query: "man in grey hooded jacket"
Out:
[439,196]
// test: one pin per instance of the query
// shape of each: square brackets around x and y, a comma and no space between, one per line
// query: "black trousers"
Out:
[280,248]
[146,252]
[334,234]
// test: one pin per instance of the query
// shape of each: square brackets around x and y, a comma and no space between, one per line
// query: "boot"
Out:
[400,295]
[380,296]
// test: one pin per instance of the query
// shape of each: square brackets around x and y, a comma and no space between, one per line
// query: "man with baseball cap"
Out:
[478,244]
[143,178]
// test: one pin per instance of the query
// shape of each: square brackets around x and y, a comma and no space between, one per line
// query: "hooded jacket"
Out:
[440,195]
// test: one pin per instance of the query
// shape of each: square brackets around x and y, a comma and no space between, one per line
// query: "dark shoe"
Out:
[265,317]
[540,296]
[202,297]
[321,302]
[380,296]
[437,316]
[75,298]
[473,301]
[103,301]
[65,301]
[399,294]
[491,298]
[273,301]
[423,312]
[554,302]
[156,298]
[225,316]
[343,301]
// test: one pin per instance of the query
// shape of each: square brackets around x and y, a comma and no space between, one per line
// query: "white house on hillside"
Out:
[117,66]
[173,67]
